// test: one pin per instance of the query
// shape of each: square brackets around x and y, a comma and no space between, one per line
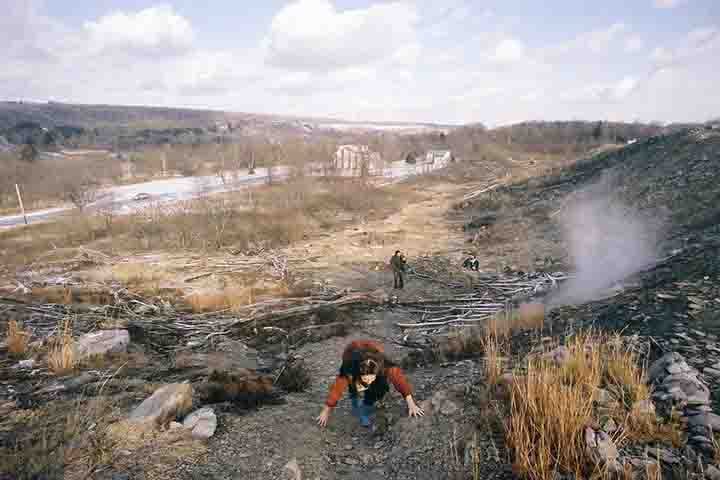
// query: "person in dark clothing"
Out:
[365,369]
[472,263]
[397,263]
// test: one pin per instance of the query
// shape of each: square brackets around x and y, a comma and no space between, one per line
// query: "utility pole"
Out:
[22,207]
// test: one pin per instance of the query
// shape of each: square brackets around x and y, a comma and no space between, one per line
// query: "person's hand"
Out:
[324,415]
[413,409]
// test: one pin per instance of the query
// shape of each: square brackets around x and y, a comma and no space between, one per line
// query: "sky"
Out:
[452,61]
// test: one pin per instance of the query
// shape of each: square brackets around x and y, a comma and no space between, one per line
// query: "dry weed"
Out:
[61,356]
[17,339]
[547,421]
[493,367]
[547,440]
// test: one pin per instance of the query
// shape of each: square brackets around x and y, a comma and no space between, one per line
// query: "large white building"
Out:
[355,156]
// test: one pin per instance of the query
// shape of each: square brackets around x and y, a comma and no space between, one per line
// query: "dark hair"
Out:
[367,362]
[397,251]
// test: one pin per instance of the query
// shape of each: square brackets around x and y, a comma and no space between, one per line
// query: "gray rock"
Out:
[711,371]
[438,399]
[656,372]
[26,363]
[292,470]
[202,422]
[706,419]
[601,449]
[610,426]
[712,473]
[449,408]
[101,343]
[559,355]
[700,439]
[167,403]
[678,367]
[663,455]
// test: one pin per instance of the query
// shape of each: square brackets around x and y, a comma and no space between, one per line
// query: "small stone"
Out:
[203,423]
[438,398]
[706,419]
[700,439]
[165,404]
[351,461]
[663,455]
[175,425]
[292,470]
[602,449]
[26,363]
[449,408]
[348,447]
[679,367]
[102,342]
[711,371]
[559,355]
[610,426]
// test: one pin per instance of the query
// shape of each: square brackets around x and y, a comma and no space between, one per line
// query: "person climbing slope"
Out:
[366,370]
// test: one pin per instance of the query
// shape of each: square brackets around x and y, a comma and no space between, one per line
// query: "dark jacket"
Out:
[397,262]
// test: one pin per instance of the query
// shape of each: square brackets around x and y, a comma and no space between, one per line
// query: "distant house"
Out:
[438,156]
[355,156]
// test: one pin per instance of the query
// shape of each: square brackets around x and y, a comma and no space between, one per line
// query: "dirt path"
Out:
[258,444]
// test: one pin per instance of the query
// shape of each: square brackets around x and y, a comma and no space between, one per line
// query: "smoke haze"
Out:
[607,241]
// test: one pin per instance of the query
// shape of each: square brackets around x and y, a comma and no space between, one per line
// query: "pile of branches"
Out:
[489,295]
[162,326]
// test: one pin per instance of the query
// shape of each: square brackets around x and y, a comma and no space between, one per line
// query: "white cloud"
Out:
[669,3]
[700,45]
[634,43]
[603,92]
[597,41]
[157,30]
[509,50]
[312,35]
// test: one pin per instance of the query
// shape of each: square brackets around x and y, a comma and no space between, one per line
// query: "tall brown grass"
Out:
[17,339]
[552,404]
[61,355]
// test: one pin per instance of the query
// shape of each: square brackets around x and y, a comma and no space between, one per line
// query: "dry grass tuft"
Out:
[528,316]
[61,356]
[213,301]
[17,339]
[493,366]
[547,440]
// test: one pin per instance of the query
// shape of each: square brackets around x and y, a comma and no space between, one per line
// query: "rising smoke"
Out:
[607,242]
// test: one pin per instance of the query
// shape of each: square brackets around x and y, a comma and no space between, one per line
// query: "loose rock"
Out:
[167,403]
[102,342]
[292,470]
[203,423]
[602,449]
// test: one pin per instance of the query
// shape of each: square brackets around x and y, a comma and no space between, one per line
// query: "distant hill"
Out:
[53,114]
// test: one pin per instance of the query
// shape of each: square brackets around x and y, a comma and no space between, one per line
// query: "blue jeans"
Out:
[362,411]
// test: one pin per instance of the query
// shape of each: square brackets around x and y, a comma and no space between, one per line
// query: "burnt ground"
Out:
[672,181]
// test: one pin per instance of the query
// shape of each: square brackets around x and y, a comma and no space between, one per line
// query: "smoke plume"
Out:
[607,242]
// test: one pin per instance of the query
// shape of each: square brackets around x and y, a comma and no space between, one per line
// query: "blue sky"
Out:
[456,61]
